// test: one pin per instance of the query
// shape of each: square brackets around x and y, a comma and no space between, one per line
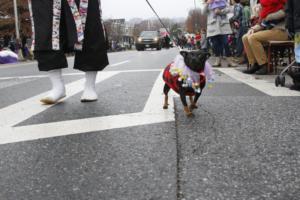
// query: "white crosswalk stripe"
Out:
[11,115]
[23,110]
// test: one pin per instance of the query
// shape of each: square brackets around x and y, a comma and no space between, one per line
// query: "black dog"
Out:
[195,61]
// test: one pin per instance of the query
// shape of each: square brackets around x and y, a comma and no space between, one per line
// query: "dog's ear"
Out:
[184,53]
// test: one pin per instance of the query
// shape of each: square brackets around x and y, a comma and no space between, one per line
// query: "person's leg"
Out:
[217,49]
[248,50]
[257,46]
[224,42]
[256,40]
[52,62]
[89,92]
[48,38]
[90,63]
[93,57]
[240,47]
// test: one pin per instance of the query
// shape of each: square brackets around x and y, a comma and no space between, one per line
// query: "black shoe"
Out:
[263,70]
[252,69]
[295,87]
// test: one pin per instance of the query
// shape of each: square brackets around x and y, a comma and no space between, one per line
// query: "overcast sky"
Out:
[139,8]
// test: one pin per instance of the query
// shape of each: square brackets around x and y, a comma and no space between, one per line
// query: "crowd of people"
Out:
[252,24]
[9,45]
[194,41]
[236,31]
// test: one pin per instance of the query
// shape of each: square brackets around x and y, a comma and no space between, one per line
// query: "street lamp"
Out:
[17,31]
[16,20]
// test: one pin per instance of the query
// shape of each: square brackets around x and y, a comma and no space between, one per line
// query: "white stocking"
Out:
[58,90]
[89,93]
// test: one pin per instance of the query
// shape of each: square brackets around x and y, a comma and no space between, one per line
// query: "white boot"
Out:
[217,62]
[58,90]
[89,93]
[230,62]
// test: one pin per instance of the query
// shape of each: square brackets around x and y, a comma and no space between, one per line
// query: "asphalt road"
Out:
[243,142]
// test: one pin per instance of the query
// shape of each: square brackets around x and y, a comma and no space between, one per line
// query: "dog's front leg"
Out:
[166,91]
[184,103]
[191,99]
[194,102]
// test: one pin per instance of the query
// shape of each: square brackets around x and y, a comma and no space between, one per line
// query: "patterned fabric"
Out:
[65,36]
[56,24]
[172,81]
[79,16]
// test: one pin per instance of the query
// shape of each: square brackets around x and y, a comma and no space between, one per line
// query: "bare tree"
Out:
[7,25]
[196,21]
[154,24]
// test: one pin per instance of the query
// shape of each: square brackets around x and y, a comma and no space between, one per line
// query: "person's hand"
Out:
[251,31]
[208,1]
[236,24]
[217,11]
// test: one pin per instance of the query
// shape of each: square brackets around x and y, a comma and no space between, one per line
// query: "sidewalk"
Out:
[264,83]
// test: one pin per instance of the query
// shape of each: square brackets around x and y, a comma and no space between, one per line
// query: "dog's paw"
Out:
[193,106]
[165,107]
[190,114]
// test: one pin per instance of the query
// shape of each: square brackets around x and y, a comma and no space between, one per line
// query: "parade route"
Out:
[242,142]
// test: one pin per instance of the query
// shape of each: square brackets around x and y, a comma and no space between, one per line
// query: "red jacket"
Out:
[271,6]
[198,37]
[172,81]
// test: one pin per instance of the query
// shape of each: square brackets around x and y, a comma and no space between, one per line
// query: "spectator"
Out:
[246,16]
[236,20]
[12,45]
[167,41]
[245,27]
[24,48]
[189,42]
[255,10]
[204,42]
[218,28]
[253,3]
[183,41]
[257,35]
[198,40]
[193,42]
[6,40]
[218,5]
[1,43]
